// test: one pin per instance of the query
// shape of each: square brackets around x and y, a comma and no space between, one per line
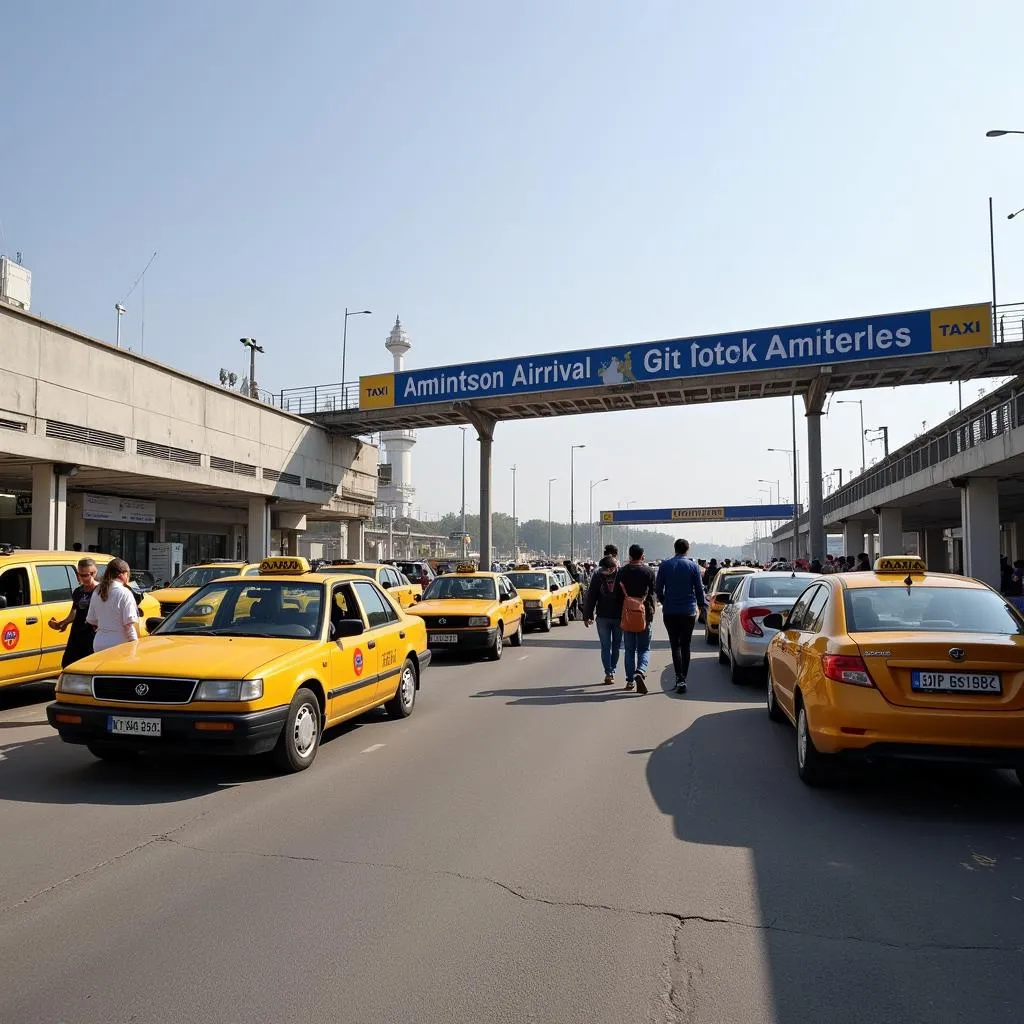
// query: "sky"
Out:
[519,179]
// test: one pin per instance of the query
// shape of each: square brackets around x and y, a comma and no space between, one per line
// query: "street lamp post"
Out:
[551,480]
[860,402]
[344,347]
[593,484]
[515,525]
[120,310]
[881,434]
[250,344]
[572,500]
[626,546]
[464,552]
[839,470]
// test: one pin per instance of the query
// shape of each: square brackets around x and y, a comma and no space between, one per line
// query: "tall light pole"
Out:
[593,484]
[626,553]
[515,524]
[881,434]
[860,402]
[839,470]
[572,501]
[344,345]
[464,552]
[121,310]
[778,495]
[551,480]
[250,344]
[796,496]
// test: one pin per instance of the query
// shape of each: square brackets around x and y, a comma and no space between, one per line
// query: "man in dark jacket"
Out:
[681,593]
[603,605]
[636,579]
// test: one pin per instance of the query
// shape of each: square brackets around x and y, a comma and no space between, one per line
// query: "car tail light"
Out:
[747,616]
[846,668]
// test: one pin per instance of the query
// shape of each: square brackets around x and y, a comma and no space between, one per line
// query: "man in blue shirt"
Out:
[680,590]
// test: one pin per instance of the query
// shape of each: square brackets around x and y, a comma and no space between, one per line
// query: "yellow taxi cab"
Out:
[545,596]
[287,654]
[899,663]
[386,577]
[720,594]
[196,576]
[573,590]
[35,587]
[469,610]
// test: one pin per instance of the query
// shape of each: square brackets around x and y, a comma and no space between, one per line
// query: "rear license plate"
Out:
[956,682]
[133,726]
[444,638]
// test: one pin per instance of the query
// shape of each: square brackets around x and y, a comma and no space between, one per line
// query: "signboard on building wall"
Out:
[108,508]
[23,504]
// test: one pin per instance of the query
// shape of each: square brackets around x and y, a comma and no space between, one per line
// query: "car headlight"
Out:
[72,682]
[230,689]
[479,620]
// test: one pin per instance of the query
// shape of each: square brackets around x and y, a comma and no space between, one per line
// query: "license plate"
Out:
[956,682]
[444,638]
[133,726]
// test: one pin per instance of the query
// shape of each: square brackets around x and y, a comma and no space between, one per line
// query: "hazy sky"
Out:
[517,179]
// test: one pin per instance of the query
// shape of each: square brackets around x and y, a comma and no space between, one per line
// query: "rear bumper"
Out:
[254,732]
[424,659]
[750,651]
[468,640]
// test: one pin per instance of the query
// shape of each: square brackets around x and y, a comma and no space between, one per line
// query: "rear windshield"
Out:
[770,587]
[727,584]
[928,609]
[529,580]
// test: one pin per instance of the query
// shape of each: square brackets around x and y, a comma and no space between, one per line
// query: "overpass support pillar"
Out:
[484,424]
[258,541]
[933,549]
[814,402]
[979,510]
[890,531]
[49,508]
[853,537]
[354,539]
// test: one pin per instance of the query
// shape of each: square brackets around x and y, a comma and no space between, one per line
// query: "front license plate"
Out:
[956,682]
[133,726]
[444,638]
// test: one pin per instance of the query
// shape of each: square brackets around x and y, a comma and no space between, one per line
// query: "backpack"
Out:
[634,614]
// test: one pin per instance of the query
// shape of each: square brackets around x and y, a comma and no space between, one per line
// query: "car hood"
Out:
[173,595]
[450,606]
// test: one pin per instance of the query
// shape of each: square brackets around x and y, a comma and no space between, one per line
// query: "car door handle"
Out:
[31,620]
[372,644]
[401,636]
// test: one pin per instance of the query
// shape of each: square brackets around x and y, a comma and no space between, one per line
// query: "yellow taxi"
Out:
[545,598]
[196,576]
[469,610]
[720,594]
[573,590]
[899,663]
[35,587]
[287,654]
[387,577]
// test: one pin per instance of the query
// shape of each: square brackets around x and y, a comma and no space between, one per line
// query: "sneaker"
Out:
[608,679]
[681,686]
[641,684]
[629,684]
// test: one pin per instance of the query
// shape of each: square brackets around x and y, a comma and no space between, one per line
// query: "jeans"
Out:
[611,643]
[638,652]
[680,629]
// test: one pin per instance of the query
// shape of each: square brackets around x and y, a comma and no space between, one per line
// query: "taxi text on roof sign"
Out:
[904,563]
[278,566]
[819,344]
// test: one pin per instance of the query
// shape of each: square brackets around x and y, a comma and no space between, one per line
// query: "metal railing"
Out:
[320,398]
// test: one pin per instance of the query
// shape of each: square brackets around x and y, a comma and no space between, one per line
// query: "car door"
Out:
[56,583]
[353,664]
[730,613]
[400,588]
[808,658]
[20,628]
[511,605]
[382,639]
[784,657]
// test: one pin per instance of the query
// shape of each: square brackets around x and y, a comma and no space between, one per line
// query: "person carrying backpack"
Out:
[603,605]
[636,585]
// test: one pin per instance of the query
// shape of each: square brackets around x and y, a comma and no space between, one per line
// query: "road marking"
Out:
[523,657]
[370,750]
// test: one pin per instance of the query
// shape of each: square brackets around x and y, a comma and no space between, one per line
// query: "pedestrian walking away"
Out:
[80,639]
[680,590]
[635,582]
[112,609]
[602,606]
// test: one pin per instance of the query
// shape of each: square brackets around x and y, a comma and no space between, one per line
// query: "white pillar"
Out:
[853,537]
[933,549]
[979,509]
[354,545]
[259,530]
[49,508]
[890,531]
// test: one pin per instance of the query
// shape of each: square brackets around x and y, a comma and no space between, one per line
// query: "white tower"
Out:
[398,444]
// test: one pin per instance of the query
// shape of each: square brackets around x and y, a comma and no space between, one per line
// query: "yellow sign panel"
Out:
[697,515]
[377,391]
[958,327]
[283,566]
[908,563]
[607,517]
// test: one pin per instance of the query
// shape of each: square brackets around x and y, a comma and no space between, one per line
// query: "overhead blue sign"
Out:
[697,514]
[819,344]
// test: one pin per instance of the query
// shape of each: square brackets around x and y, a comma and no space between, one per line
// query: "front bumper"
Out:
[254,732]
[468,640]
[534,616]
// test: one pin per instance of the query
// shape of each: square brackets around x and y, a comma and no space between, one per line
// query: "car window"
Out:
[505,589]
[928,609]
[55,582]
[796,616]
[14,586]
[397,579]
[728,584]
[344,605]
[815,610]
[199,576]
[771,587]
[378,611]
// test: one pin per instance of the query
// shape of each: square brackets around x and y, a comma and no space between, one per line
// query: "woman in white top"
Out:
[113,610]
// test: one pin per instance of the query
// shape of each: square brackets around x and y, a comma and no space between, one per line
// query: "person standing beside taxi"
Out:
[80,640]
[112,609]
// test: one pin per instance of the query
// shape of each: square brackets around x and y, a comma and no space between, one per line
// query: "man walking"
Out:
[603,605]
[636,581]
[680,590]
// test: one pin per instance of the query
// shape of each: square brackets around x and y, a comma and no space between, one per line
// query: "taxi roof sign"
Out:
[279,566]
[900,563]
[465,567]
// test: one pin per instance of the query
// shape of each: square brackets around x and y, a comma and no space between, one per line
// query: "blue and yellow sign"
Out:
[821,344]
[698,514]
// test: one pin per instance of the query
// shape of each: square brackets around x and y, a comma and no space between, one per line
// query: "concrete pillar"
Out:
[890,531]
[486,444]
[853,537]
[872,547]
[1018,539]
[259,530]
[354,539]
[933,549]
[816,540]
[979,510]
[49,508]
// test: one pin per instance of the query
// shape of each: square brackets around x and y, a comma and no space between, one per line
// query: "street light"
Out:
[839,470]
[344,346]
[121,310]
[464,552]
[881,434]
[860,402]
[1016,213]
[250,344]
[796,495]
[994,133]
[572,500]
[551,480]
[593,484]
[626,545]
[515,525]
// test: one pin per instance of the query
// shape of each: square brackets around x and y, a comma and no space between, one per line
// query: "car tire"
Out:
[813,767]
[498,646]
[771,703]
[401,705]
[516,639]
[723,658]
[710,638]
[545,626]
[300,738]
[112,752]
[563,619]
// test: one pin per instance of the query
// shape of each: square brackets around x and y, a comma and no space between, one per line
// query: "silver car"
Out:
[742,636]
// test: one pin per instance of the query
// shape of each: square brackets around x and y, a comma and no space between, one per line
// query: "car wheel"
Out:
[300,738]
[401,705]
[736,672]
[814,768]
[545,626]
[112,752]
[709,637]
[723,658]
[563,619]
[516,639]
[498,646]
[775,713]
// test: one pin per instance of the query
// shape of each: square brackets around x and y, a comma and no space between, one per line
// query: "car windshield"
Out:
[529,580]
[354,570]
[269,608]
[928,609]
[200,575]
[727,584]
[464,588]
[766,588]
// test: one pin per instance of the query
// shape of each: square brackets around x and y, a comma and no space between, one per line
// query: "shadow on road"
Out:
[12,697]
[594,693]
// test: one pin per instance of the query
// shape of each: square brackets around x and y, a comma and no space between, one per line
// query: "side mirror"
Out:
[347,627]
[725,599]
[417,597]
[554,588]
[386,585]
[152,622]
[3,601]
[774,621]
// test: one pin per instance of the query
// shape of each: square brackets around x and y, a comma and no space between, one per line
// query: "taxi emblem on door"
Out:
[957,653]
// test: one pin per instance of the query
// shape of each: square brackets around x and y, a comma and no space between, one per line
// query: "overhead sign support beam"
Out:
[484,424]
[814,403]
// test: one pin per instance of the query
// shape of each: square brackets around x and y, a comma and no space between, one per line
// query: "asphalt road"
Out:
[530,846]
